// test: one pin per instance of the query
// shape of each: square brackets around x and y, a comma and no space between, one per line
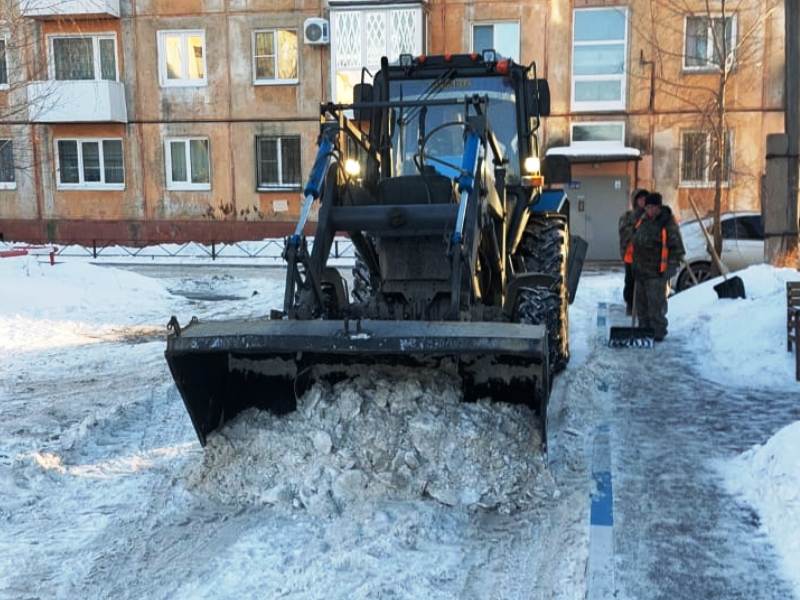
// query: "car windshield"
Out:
[447,144]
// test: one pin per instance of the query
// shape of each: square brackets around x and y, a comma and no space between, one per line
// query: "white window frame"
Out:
[708,182]
[710,67]
[10,185]
[165,81]
[95,37]
[5,86]
[89,185]
[275,80]
[499,22]
[281,185]
[590,106]
[188,185]
[594,142]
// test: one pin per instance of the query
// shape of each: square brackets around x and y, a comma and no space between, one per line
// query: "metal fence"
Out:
[269,250]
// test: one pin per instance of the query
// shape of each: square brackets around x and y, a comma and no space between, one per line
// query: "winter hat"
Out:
[653,199]
[638,193]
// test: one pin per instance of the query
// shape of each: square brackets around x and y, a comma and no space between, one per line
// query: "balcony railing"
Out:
[77,101]
[59,9]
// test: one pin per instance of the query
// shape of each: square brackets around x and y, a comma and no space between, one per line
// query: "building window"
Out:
[274,56]
[698,159]
[501,37]
[598,132]
[90,163]
[599,54]
[187,164]
[83,57]
[704,42]
[182,58]
[359,38]
[8,179]
[278,162]
[3,65]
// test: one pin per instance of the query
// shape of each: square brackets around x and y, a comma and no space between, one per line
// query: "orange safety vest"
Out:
[629,250]
[662,267]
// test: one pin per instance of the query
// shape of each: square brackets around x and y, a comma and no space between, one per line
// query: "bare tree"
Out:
[718,40]
[21,62]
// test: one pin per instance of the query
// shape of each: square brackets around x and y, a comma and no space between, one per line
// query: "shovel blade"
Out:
[631,337]
[733,288]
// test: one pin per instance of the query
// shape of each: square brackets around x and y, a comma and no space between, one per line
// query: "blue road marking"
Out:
[602,512]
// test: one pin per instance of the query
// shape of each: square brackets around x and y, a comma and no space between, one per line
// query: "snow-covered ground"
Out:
[768,478]
[384,486]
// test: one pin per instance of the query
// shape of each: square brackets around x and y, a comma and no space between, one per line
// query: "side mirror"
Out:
[537,93]
[556,169]
[363,93]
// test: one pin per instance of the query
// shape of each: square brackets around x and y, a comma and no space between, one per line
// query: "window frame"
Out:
[10,185]
[4,39]
[188,185]
[708,182]
[592,105]
[279,186]
[166,82]
[594,142]
[709,67]
[493,23]
[275,80]
[89,185]
[95,36]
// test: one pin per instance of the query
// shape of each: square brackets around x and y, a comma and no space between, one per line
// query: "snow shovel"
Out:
[731,287]
[633,336]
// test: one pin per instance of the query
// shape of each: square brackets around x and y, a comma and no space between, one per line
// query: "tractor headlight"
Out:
[533,164]
[352,167]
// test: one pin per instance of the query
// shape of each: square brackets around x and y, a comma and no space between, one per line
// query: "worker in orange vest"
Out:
[628,223]
[657,252]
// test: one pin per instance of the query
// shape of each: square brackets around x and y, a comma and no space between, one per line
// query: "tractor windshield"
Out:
[447,144]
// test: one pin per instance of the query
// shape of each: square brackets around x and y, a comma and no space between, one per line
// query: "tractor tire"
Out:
[362,282]
[544,249]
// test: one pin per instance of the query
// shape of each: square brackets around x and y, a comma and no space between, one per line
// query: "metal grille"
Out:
[347,38]
[404,33]
[375,38]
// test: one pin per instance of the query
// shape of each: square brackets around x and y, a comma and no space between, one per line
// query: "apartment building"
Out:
[164,120]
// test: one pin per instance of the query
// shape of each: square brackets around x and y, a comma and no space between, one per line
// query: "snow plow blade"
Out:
[224,367]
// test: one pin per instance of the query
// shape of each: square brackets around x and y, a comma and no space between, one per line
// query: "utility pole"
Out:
[780,200]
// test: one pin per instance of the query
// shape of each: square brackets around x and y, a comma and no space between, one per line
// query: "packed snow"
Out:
[743,341]
[767,477]
[384,485]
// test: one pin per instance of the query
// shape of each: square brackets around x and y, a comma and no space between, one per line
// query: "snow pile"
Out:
[739,341]
[47,306]
[768,478]
[396,435]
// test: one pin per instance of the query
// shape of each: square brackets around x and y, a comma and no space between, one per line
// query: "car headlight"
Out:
[533,164]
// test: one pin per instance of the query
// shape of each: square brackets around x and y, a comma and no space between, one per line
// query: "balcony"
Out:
[76,9]
[77,102]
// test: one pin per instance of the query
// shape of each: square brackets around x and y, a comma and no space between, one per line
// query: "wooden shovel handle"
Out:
[717,260]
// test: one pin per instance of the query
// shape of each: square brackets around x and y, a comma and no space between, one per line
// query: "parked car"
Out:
[742,246]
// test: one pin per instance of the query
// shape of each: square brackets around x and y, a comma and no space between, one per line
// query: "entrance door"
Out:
[596,204]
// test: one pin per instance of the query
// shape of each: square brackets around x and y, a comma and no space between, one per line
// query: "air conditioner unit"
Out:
[316,32]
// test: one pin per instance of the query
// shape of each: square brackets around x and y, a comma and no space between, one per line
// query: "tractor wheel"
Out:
[543,249]
[362,282]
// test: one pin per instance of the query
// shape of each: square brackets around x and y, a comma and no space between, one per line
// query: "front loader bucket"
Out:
[224,367]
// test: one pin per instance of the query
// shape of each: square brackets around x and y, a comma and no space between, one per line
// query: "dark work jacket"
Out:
[647,245]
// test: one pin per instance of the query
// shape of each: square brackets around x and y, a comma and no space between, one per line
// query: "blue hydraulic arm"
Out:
[466,181]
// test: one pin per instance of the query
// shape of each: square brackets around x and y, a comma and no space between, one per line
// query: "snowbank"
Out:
[388,434]
[768,478]
[739,342]
[49,306]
